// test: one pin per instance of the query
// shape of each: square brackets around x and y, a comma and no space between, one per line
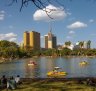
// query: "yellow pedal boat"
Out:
[83,63]
[56,74]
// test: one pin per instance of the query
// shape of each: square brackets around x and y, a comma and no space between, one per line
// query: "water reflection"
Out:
[46,64]
[31,70]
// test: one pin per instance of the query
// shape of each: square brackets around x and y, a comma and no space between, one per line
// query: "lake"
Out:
[46,64]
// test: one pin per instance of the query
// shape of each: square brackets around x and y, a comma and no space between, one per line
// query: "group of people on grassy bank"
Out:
[9,83]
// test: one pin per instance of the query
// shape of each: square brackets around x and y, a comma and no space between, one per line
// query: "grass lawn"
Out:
[45,85]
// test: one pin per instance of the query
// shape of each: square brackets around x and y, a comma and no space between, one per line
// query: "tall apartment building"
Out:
[32,39]
[26,39]
[46,41]
[50,41]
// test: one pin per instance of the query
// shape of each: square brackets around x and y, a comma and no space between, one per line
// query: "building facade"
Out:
[46,41]
[26,39]
[50,41]
[32,40]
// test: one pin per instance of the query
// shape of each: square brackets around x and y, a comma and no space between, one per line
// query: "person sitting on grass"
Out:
[91,82]
[11,84]
[3,81]
[17,79]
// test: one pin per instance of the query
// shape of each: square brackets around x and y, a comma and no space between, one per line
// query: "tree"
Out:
[41,4]
[65,52]
[48,52]
[88,44]
[8,49]
[4,43]
[67,43]
[81,44]
[38,3]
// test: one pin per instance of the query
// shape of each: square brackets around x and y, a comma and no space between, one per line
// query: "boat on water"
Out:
[83,63]
[56,73]
[32,63]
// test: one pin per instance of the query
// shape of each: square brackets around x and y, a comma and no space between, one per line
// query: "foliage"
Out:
[8,49]
[65,52]
[81,44]
[47,52]
[67,43]
[88,44]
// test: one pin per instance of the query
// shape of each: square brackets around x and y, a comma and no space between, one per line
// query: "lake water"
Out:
[46,64]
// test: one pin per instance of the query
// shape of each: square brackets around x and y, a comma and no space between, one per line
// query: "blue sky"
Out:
[76,23]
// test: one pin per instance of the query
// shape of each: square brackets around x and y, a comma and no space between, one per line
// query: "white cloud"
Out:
[8,36]
[56,13]
[2,15]
[77,25]
[12,39]
[71,32]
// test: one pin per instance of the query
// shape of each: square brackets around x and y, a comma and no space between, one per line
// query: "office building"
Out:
[32,40]
[26,39]
[50,41]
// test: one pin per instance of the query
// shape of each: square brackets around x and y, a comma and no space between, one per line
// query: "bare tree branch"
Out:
[41,4]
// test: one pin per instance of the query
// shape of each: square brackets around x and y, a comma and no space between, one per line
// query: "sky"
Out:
[74,22]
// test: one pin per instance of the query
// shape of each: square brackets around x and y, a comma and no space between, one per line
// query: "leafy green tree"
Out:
[67,43]
[8,49]
[65,52]
[88,44]
[81,44]
[48,52]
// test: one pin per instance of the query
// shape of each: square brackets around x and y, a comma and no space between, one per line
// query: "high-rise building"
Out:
[50,41]
[35,40]
[32,39]
[46,41]
[26,39]
[54,41]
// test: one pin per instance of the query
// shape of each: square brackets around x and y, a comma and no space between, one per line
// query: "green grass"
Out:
[53,86]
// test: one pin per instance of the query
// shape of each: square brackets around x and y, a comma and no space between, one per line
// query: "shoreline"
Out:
[56,84]
[58,79]
[4,60]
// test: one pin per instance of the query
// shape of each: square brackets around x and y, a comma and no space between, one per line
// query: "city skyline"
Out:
[31,39]
[76,22]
